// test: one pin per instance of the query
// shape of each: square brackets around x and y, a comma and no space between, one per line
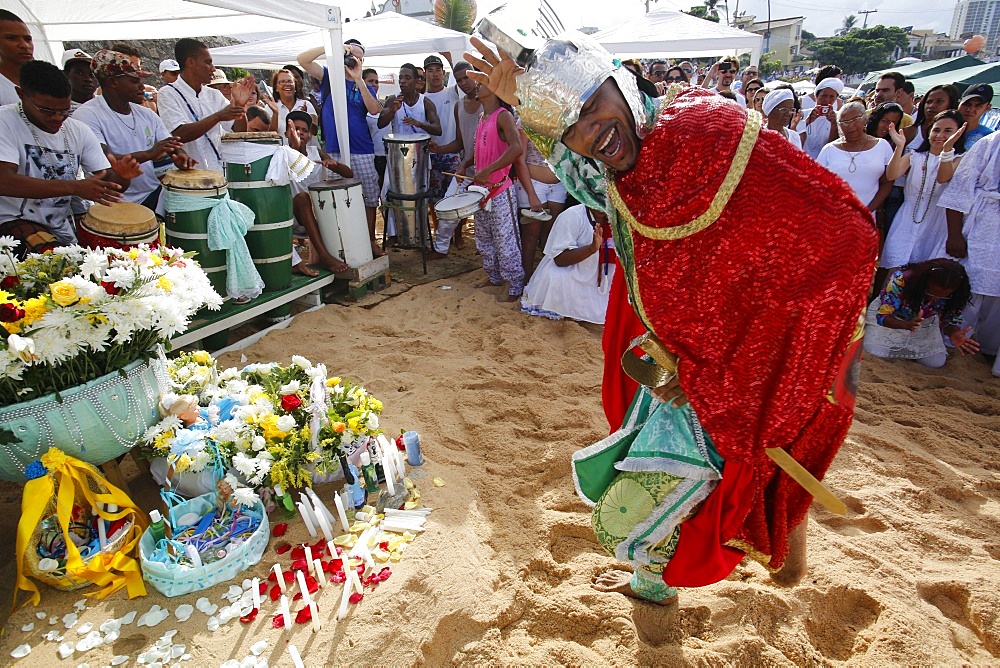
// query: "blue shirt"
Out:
[972,136]
[357,119]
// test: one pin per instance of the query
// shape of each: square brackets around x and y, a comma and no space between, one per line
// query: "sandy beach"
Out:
[503,574]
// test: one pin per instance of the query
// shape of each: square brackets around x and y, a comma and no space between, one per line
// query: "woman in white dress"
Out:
[779,108]
[286,100]
[818,126]
[574,277]
[859,158]
[920,230]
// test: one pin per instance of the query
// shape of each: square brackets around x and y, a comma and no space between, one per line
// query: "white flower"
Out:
[372,421]
[94,265]
[22,347]
[286,423]
[244,464]
[290,388]
[8,243]
[301,362]
[200,461]
[246,497]
[259,443]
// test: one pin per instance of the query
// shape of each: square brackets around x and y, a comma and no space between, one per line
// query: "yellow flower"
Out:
[54,459]
[12,327]
[353,424]
[63,293]
[133,253]
[201,357]
[84,301]
[97,318]
[164,283]
[330,382]
[270,426]
[338,427]
[34,309]
[157,260]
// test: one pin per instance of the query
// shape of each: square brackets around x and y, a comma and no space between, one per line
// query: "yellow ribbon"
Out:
[109,571]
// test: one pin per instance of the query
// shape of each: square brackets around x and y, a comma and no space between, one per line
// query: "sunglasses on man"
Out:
[658,73]
[725,67]
[675,79]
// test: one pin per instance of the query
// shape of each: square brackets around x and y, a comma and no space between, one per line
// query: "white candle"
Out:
[256,593]
[301,579]
[324,525]
[281,578]
[355,581]
[344,599]
[400,462]
[102,535]
[320,507]
[318,567]
[306,518]
[315,616]
[332,548]
[285,612]
[293,652]
[387,468]
[340,513]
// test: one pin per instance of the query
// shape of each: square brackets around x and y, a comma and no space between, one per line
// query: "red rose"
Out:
[110,288]
[10,313]
[290,402]
[9,282]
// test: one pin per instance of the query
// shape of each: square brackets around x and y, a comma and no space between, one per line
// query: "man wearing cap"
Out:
[972,203]
[361,101]
[169,70]
[196,112]
[444,100]
[977,100]
[684,491]
[42,151]
[221,83]
[124,127]
[16,49]
[77,66]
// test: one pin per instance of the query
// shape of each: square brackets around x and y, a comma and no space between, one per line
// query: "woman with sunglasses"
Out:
[753,87]
[778,107]
[858,158]
[676,74]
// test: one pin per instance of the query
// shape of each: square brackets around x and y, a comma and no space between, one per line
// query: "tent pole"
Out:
[334,40]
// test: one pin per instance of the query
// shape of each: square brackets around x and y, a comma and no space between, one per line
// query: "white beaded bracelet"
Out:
[947,156]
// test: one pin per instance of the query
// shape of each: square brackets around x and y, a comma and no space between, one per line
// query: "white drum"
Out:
[340,213]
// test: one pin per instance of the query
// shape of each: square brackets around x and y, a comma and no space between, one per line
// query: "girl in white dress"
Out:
[920,230]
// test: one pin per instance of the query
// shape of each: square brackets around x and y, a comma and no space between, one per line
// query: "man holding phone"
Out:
[723,73]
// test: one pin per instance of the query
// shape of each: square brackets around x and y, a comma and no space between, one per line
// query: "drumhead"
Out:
[256,137]
[123,217]
[459,201]
[194,179]
[407,139]
[335,184]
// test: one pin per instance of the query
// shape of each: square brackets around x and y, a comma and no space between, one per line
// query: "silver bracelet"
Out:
[947,156]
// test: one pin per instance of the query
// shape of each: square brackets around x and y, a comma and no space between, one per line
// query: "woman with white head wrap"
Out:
[819,127]
[779,107]
[859,158]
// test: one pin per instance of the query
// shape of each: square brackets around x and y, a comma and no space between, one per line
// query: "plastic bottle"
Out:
[358,495]
[414,455]
[157,526]
[368,470]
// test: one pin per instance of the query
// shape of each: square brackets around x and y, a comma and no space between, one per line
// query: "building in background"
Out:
[786,35]
[978,17]
[928,45]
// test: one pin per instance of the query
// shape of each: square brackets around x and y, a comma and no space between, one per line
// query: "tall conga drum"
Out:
[343,225]
[121,225]
[248,157]
[189,229]
[408,169]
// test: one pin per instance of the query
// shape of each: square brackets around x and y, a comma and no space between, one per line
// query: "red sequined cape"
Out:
[760,306]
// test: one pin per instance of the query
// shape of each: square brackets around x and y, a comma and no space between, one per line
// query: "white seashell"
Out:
[28,627]
[84,629]
[21,651]
[47,565]
[119,659]
[128,618]
[69,620]
[66,649]
[40,615]
[80,605]
[213,624]
[183,612]
[258,647]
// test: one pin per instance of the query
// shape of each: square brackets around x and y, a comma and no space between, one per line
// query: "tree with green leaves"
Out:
[457,15]
[706,11]
[768,63]
[862,49]
[850,23]
[808,37]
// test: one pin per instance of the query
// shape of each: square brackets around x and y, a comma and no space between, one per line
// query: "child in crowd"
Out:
[921,302]
[919,229]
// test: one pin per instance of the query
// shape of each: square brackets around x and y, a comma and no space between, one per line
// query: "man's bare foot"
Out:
[377,250]
[654,622]
[434,255]
[795,566]
[305,270]
[333,264]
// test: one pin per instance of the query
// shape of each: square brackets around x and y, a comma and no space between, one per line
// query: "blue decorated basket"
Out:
[94,422]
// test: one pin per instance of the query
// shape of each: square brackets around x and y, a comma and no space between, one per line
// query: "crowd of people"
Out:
[95,131]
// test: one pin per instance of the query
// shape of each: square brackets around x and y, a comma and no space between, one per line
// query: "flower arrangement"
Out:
[272,424]
[74,314]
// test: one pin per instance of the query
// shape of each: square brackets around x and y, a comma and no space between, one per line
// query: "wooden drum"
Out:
[121,225]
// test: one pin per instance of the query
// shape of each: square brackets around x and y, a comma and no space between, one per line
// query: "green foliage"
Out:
[861,50]
[768,63]
[457,15]
[808,37]
[703,12]
[237,73]
[850,23]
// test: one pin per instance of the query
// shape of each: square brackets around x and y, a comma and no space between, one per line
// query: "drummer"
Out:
[123,126]
[299,134]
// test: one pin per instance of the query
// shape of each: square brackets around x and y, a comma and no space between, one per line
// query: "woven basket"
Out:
[94,422]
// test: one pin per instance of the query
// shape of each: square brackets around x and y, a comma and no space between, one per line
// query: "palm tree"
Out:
[711,12]
[850,23]
[458,15]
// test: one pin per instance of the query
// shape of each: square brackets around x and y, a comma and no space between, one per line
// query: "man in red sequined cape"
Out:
[743,257]
[759,305]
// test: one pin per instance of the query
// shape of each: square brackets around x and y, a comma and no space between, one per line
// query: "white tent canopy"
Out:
[665,32]
[388,34]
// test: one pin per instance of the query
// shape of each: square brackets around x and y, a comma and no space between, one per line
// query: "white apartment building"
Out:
[977,17]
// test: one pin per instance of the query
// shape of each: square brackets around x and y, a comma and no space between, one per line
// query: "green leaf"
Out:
[457,15]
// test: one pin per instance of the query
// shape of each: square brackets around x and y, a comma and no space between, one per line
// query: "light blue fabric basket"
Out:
[177,580]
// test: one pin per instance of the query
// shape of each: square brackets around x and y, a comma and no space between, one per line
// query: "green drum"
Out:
[189,229]
[270,238]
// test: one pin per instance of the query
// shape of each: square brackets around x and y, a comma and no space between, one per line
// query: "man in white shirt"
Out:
[444,100]
[41,152]
[723,73]
[124,127]
[197,113]
[16,48]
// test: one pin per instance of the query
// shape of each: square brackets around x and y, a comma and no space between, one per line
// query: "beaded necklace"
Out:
[31,128]
[920,196]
